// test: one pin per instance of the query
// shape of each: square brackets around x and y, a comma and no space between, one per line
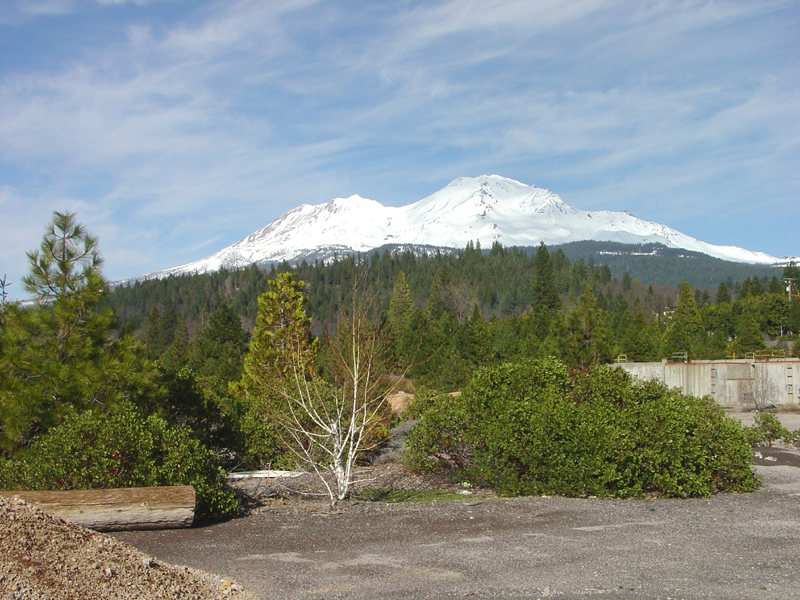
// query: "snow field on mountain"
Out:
[488,209]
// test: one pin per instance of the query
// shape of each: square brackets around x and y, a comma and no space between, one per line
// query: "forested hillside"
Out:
[464,309]
[659,265]
[498,279]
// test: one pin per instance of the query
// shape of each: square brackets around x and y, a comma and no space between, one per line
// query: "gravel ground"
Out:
[289,546]
[728,546]
[46,558]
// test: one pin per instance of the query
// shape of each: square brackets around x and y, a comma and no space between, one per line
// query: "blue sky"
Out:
[175,128]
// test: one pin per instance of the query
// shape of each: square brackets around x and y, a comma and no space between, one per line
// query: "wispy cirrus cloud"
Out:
[186,123]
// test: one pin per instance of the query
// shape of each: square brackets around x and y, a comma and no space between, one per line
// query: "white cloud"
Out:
[182,132]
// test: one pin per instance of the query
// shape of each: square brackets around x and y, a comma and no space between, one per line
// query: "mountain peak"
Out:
[487,208]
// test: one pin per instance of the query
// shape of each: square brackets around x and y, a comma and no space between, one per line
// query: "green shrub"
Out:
[534,427]
[93,450]
[439,441]
[793,438]
[766,429]
[259,438]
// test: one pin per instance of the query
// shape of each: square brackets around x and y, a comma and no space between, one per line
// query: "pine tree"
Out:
[67,262]
[178,354]
[437,297]
[683,333]
[723,294]
[59,355]
[756,287]
[590,338]
[775,286]
[792,271]
[626,282]
[150,334]
[748,334]
[400,306]
[545,296]
[166,326]
[220,349]
[282,345]
[281,352]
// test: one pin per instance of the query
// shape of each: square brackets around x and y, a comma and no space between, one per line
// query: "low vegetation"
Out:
[768,429]
[93,450]
[535,427]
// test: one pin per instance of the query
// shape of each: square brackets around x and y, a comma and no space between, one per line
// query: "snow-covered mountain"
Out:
[489,208]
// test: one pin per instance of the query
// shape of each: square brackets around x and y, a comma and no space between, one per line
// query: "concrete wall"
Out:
[729,382]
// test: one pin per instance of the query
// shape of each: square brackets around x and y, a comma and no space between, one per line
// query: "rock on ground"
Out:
[43,557]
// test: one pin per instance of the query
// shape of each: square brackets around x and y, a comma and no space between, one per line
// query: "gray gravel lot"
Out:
[728,546]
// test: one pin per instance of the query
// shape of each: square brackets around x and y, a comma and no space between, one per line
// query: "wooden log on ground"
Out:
[118,509]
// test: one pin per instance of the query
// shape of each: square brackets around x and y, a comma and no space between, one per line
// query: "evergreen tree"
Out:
[399,307]
[166,326]
[4,291]
[748,333]
[645,347]
[604,275]
[744,289]
[221,348]
[792,271]
[282,345]
[67,262]
[626,282]
[590,338]
[775,286]
[718,324]
[545,296]
[723,294]
[756,287]
[179,353]
[281,351]
[684,332]
[439,296]
[59,355]
[150,335]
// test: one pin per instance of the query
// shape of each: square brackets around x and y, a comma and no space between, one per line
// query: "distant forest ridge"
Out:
[657,264]
[651,264]
[497,279]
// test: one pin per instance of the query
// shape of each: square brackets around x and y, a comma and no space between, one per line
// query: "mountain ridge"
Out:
[488,209]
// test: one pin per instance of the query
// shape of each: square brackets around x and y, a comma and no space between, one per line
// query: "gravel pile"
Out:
[46,558]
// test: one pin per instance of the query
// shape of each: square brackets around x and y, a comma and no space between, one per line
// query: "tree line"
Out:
[449,313]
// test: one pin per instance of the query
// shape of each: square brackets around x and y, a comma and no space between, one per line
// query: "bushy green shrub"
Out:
[260,442]
[792,438]
[93,450]
[766,429]
[534,427]
[439,440]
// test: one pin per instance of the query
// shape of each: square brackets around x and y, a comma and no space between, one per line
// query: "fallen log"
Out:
[118,509]
[268,474]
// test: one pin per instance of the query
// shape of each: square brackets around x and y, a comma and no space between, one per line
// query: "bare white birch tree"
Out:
[332,421]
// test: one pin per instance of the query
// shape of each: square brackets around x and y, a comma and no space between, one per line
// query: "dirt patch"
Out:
[257,492]
[43,557]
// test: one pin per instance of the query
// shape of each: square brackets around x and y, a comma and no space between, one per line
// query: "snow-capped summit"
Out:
[489,209]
